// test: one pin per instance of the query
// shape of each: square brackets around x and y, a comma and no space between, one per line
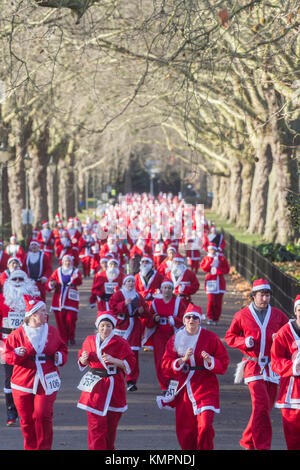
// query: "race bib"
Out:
[88,382]
[53,381]
[211,286]
[14,320]
[73,295]
[172,389]
[109,287]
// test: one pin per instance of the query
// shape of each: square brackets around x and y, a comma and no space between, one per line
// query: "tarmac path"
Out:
[143,426]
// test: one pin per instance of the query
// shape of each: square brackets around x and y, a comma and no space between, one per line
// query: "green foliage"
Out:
[278,252]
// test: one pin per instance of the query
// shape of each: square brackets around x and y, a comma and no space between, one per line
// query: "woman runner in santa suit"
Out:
[285,361]
[166,318]
[103,392]
[129,307]
[65,301]
[35,350]
[192,359]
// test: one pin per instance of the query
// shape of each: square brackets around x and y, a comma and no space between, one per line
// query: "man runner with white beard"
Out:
[106,283]
[12,313]
[185,280]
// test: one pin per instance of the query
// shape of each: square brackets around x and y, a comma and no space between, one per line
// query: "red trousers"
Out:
[36,414]
[66,323]
[102,430]
[159,346]
[86,265]
[194,432]
[258,433]
[214,306]
[291,427]
[135,372]
[194,265]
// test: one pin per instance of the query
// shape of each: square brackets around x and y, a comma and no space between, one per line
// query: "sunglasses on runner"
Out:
[18,279]
[194,317]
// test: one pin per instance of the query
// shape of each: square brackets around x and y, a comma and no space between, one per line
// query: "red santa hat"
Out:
[194,310]
[114,260]
[179,258]
[13,237]
[167,282]
[34,242]
[297,302]
[147,258]
[213,246]
[45,222]
[14,258]
[32,304]
[128,276]
[105,315]
[171,248]
[260,284]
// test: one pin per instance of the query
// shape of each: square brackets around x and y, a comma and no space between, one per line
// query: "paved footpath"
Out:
[144,426]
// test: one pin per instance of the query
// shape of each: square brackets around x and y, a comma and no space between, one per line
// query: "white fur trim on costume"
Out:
[239,372]
[261,287]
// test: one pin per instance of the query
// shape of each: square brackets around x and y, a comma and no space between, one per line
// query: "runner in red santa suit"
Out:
[252,331]
[160,245]
[166,318]
[46,240]
[12,313]
[4,257]
[129,307]
[216,266]
[193,251]
[214,237]
[138,250]
[64,282]
[13,264]
[285,361]
[185,281]
[103,392]
[106,283]
[38,267]
[192,359]
[148,280]
[166,265]
[15,250]
[35,350]
[85,250]
[64,247]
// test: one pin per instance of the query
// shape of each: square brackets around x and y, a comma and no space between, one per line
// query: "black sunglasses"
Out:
[194,317]
[18,279]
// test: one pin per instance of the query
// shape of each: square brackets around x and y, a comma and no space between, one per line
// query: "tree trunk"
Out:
[224,208]
[235,190]
[216,193]
[66,183]
[260,184]
[38,177]
[247,178]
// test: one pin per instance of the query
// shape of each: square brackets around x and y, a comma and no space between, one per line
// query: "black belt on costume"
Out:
[103,372]
[41,357]
[6,331]
[186,368]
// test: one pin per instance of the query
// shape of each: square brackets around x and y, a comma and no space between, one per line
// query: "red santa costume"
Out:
[251,331]
[160,249]
[12,313]
[166,265]
[65,246]
[85,251]
[285,361]
[214,237]
[14,249]
[166,318]
[192,359]
[185,281]
[38,267]
[46,240]
[216,266]
[4,257]
[105,284]
[138,250]
[129,307]
[64,282]
[12,265]
[111,247]
[148,280]
[193,253]
[103,392]
[35,352]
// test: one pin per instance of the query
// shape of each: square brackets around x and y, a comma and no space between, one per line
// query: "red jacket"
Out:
[103,289]
[215,283]
[64,296]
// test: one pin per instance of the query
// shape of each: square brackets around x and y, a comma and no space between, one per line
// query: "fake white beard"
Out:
[128,294]
[46,232]
[145,269]
[140,244]
[178,269]
[14,293]
[71,231]
[112,273]
[183,341]
[35,335]
[66,271]
[33,257]
[112,247]
[13,249]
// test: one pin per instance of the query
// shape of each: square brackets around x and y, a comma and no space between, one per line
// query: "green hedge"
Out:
[278,252]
